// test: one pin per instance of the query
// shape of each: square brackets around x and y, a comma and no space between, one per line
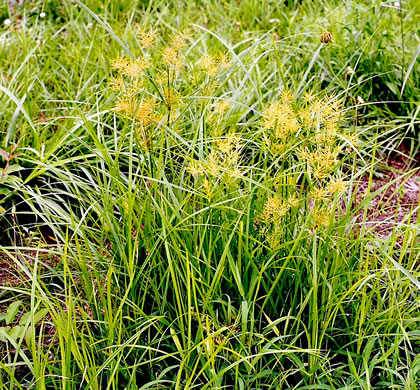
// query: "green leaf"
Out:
[39,316]
[12,310]
[16,332]
[4,191]
[4,331]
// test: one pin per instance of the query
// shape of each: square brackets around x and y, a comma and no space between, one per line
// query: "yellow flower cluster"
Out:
[130,68]
[172,55]
[146,38]
[280,118]
[315,127]
[212,65]
[321,161]
[274,209]
[141,111]
[223,159]
[219,109]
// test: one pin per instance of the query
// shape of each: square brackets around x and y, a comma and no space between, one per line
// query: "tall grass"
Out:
[197,250]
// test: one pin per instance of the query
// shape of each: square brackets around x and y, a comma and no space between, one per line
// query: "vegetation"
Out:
[189,195]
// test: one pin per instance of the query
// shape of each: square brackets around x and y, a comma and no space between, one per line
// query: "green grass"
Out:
[134,273]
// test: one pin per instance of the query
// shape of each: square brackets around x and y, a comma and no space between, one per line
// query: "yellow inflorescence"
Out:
[147,38]
[222,160]
[212,65]
[274,209]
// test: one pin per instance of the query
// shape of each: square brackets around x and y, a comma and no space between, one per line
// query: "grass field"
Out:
[209,194]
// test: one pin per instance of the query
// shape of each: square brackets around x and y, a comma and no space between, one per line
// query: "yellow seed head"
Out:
[135,68]
[321,217]
[209,65]
[172,58]
[116,84]
[337,186]
[179,40]
[274,209]
[195,168]
[119,63]
[147,38]
[319,193]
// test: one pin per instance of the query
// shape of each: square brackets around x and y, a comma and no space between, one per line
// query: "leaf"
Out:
[25,318]
[16,332]
[13,168]
[12,310]
[176,340]
[4,331]
[38,316]
[410,68]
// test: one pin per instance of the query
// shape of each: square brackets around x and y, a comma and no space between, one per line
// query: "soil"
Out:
[395,203]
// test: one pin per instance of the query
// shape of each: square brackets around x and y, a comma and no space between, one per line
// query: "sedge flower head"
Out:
[337,186]
[274,209]
[319,193]
[280,117]
[147,38]
[208,64]
[116,84]
[179,40]
[172,58]
[321,218]
[135,68]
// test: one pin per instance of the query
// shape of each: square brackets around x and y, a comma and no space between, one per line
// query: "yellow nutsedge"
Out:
[293,201]
[207,188]
[195,168]
[194,78]
[222,60]
[146,38]
[213,64]
[337,186]
[213,165]
[319,193]
[126,105]
[144,113]
[119,63]
[171,96]
[208,64]
[321,218]
[280,117]
[221,107]
[135,68]
[116,84]
[172,58]
[179,40]
[274,209]
[353,139]
[135,87]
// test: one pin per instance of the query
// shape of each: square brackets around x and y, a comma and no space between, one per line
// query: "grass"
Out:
[197,246]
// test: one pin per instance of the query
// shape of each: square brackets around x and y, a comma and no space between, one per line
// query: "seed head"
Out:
[172,58]
[326,38]
[146,38]
[179,40]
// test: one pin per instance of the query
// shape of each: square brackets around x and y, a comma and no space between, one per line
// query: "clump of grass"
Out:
[203,219]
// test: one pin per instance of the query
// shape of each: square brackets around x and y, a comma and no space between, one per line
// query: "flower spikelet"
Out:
[172,58]
[146,38]
[274,209]
[179,40]
[280,117]
[337,186]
